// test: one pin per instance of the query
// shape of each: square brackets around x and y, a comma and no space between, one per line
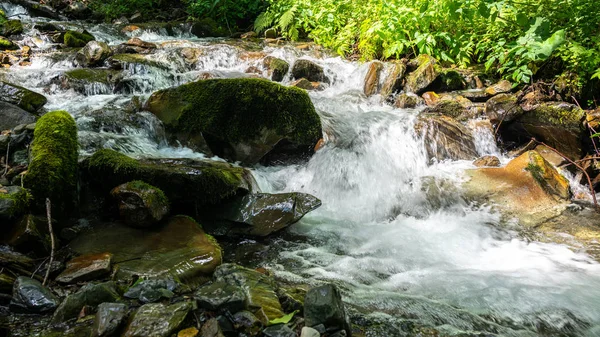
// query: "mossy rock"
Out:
[83,80]
[122,61]
[276,68]
[52,172]
[186,183]
[6,44]
[3,17]
[12,27]
[76,39]
[426,72]
[241,119]
[141,204]
[14,201]
[24,98]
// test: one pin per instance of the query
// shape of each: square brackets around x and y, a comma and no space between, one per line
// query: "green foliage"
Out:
[113,9]
[53,169]
[513,38]
[228,13]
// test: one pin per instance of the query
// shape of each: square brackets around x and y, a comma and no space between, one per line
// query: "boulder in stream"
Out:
[323,305]
[445,138]
[240,119]
[393,80]
[276,68]
[140,204]
[11,116]
[92,294]
[371,86]
[309,70]
[503,108]
[75,39]
[30,295]
[425,73]
[11,27]
[93,54]
[23,98]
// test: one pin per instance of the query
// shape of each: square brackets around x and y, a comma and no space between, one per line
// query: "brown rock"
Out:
[431,98]
[491,161]
[393,80]
[371,86]
[501,87]
[445,138]
[129,28]
[137,42]
[86,268]
[140,204]
[503,108]
[408,101]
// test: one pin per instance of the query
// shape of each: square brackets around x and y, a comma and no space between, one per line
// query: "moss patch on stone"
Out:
[53,169]
[158,197]
[11,27]
[6,44]
[184,182]
[91,75]
[76,39]
[18,199]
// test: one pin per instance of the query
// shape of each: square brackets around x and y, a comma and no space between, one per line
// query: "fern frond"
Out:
[287,18]
[263,21]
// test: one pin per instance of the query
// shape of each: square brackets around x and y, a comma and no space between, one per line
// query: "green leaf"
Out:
[285,319]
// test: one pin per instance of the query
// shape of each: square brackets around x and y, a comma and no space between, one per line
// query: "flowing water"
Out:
[393,231]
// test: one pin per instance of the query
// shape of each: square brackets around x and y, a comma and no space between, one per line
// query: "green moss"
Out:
[236,110]
[157,197]
[26,99]
[6,44]
[561,114]
[195,183]
[19,200]
[91,75]
[12,27]
[53,169]
[77,39]
[3,18]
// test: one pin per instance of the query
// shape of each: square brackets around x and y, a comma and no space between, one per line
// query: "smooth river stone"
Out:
[179,247]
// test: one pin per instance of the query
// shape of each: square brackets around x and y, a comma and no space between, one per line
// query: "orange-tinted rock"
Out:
[86,268]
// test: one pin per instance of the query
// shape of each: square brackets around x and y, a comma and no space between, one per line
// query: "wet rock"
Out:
[52,172]
[557,124]
[30,296]
[221,296]
[211,329]
[426,72]
[371,86]
[152,290]
[109,318]
[279,330]
[408,101]
[86,268]
[240,119]
[6,44]
[89,295]
[187,183]
[271,33]
[140,204]
[76,39]
[124,61]
[263,214]
[157,320]
[309,332]
[446,138]
[91,81]
[475,95]
[501,87]
[247,322]
[305,84]
[23,98]
[448,80]
[11,116]
[309,70]
[491,161]
[276,68]
[543,193]
[29,234]
[259,288]
[179,249]
[47,27]
[450,108]
[503,108]
[11,27]
[393,80]
[139,43]
[14,201]
[93,54]
[207,27]
[323,305]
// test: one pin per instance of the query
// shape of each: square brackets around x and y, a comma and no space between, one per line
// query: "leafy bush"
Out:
[230,13]
[514,38]
[113,9]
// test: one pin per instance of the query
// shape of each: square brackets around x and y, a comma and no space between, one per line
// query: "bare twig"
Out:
[49,216]
[587,176]
[580,161]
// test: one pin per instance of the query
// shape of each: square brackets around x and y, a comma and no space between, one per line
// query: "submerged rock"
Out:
[140,204]
[23,98]
[86,268]
[93,54]
[187,183]
[89,295]
[309,70]
[179,249]
[109,318]
[445,138]
[323,305]
[52,172]
[263,214]
[157,320]
[259,288]
[240,119]
[279,330]
[11,116]
[30,295]
[528,187]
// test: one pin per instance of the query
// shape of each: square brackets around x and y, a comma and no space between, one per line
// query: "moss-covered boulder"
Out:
[178,248]
[93,54]
[503,108]
[558,124]
[14,201]
[240,119]
[11,27]
[140,204]
[276,68]
[75,39]
[426,72]
[6,44]
[187,183]
[91,81]
[24,98]
[52,172]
